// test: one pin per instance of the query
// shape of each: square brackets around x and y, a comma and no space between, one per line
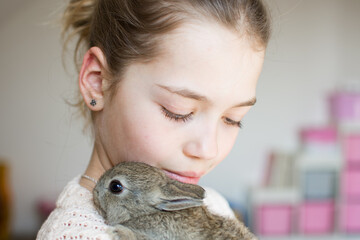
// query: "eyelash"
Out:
[176,117]
[185,118]
[230,122]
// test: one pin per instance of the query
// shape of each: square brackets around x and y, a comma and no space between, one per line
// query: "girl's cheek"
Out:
[151,141]
[228,139]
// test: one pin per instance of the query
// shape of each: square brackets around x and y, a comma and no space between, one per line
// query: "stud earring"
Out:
[93,102]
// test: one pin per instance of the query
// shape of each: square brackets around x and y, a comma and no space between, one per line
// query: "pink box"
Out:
[352,150]
[350,185]
[350,217]
[319,135]
[274,219]
[345,106]
[316,217]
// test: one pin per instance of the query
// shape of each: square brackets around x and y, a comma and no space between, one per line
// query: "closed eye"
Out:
[233,123]
[176,117]
[185,117]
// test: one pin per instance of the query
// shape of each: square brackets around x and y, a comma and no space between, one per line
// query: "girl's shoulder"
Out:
[75,216]
[217,204]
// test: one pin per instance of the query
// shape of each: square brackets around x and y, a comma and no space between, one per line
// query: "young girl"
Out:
[165,82]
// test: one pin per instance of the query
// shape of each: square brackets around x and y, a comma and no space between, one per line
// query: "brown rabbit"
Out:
[141,202]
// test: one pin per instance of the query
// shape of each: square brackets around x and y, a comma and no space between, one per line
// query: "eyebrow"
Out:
[193,95]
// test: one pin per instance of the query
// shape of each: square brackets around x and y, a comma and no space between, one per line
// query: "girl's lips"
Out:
[191,178]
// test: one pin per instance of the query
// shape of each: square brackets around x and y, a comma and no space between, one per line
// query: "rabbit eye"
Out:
[116,187]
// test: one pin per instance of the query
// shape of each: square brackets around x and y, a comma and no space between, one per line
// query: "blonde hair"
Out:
[130,30]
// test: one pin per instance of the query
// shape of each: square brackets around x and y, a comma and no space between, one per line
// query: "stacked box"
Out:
[274,211]
[274,219]
[352,151]
[345,110]
[350,186]
[318,168]
[318,191]
[349,218]
[319,184]
[316,217]
[275,202]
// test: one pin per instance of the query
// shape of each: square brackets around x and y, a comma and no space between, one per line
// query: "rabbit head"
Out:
[132,189]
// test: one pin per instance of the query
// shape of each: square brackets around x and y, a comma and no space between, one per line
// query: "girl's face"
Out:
[182,112]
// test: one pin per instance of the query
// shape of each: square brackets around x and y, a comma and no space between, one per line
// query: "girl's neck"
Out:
[96,167]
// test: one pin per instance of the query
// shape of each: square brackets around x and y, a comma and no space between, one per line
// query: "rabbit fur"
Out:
[140,202]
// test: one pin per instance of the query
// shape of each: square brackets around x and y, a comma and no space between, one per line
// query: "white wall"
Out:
[315,47]
[38,134]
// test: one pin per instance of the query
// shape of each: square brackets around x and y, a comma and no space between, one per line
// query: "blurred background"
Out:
[313,56]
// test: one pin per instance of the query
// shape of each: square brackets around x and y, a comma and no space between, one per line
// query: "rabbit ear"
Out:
[177,196]
[178,204]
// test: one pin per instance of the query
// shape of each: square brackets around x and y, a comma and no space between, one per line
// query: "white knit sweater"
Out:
[75,216]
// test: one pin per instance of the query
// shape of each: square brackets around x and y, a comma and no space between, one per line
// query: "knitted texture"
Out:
[75,215]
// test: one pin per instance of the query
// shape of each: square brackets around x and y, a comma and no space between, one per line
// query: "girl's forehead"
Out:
[207,60]
[211,46]
[208,57]
[202,36]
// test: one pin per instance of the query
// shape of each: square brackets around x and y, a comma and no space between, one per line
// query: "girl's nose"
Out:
[202,144]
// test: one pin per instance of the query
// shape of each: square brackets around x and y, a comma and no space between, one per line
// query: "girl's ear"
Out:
[91,80]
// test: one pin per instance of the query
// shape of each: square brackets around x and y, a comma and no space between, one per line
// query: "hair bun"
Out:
[77,18]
